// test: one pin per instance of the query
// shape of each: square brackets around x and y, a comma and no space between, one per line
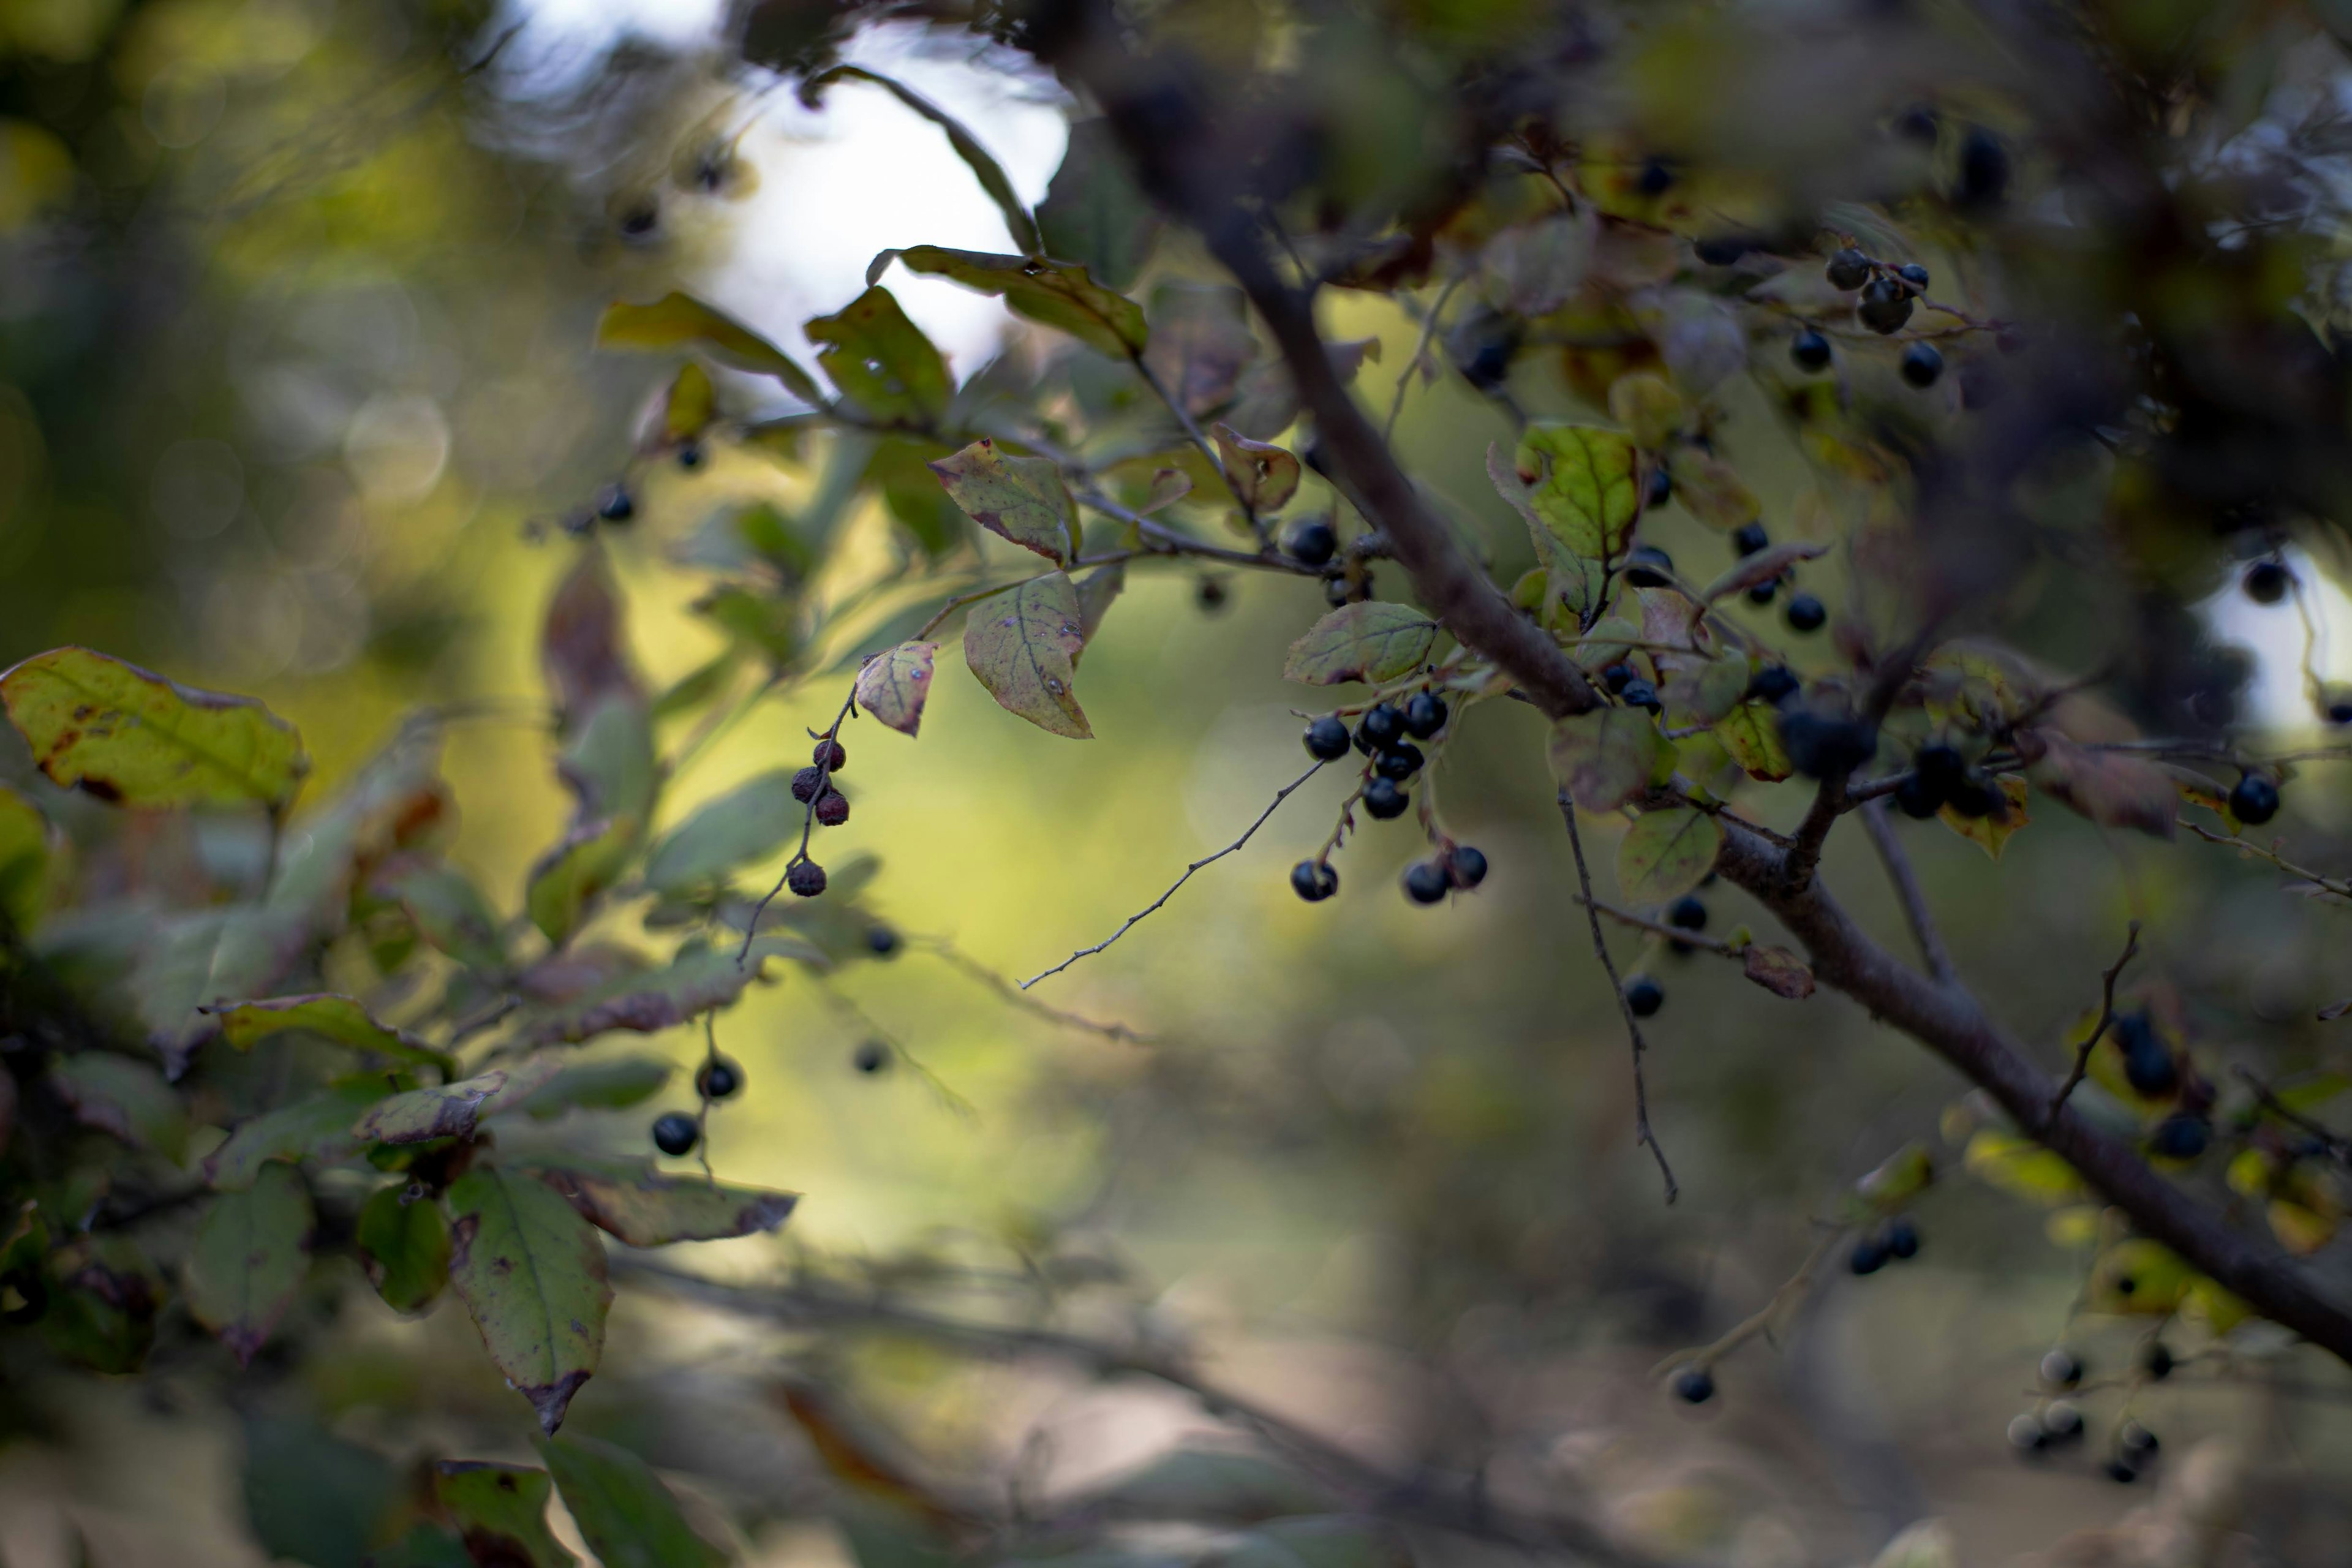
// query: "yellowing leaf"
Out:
[1373,641]
[894,685]
[338,1019]
[1647,404]
[1022,645]
[1021,500]
[2018,1166]
[1262,473]
[1900,1177]
[127,735]
[1667,853]
[1992,833]
[689,405]
[881,361]
[25,846]
[1056,293]
[2139,1277]
[1605,758]
[531,1273]
[679,321]
[1582,484]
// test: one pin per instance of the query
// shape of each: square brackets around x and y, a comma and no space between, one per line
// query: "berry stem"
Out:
[808,818]
[2106,1016]
[1641,1133]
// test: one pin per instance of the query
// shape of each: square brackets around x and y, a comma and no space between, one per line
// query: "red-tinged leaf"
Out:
[1263,475]
[1201,343]
[1764,566]
[249,1257]
[1667,853]
[1779,971]
[582,650]
[695,980]
[1022,500]
[1022,644]
[1605,758]
[894,685]
[531,1273]
[1373,641]
[2114,789]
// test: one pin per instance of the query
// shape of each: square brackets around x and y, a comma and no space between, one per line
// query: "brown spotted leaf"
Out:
[500,1513]
[531,1273]
[1779,971]
[1022,644]
[1263,475]
[1373,641]
[1667,853]
[638,1204]
[452,1109]
[251,1255]
[1605,758]
[1020,499]
[894,685]
[698,978]
[881,361]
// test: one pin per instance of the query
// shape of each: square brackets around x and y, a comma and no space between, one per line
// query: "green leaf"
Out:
[26,846]
[210,957]
[608,763]
[102,1304]
[1752,735]
[1054,293]
[1263,474]
[127,1099]
[984,168]
[748,823]
[1373,641]
[338,1019]
[638,1204]
[613,1085]
[765,623]
[894,685]
[1098,591]
[569,878]
[1605,758]
[1584,486]
[1666,853]
[1022,644]
[319,1127]
[1019,498]
[689,405]
[131,737]
[698,978]
[1094,213]
[251,1255]
[881,361]
[447,910]
[404,1242]
[624,1514]
[679,321]
[531,1272]
[501,1512]
[1574,584]
[452,1109]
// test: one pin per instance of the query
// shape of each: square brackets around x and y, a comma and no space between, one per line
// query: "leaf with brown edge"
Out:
[2112,788]
[881,361]
[338,1019]
[532,1275]
[1764,566]
[452,1109]
[1056,294]
[698,978]
[1992,833]
[679,322]
[1573,584]
[1752,736]
[1022,644]
[1582,486]
[500,1513]
[895,684]
[1779,971]
[249,1257]
[1371,641]
[1021,500]
[636,1203]
[1263,474]
[130,737]
[582,650]
[1605,758]
[1667,853]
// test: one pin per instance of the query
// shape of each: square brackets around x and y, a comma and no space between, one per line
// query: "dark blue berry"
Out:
[674,1133]
[1425,714]
[1805,613]
[1327,738]
[1314,880]
[1810,350]
[1384,800]
[2254,801]
[1425,882]
[1312,543]
[1644,995]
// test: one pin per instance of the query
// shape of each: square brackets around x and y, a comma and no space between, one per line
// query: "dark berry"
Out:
[1649,567]
[1314,880]
[1974,794]
[1903,1238]
[1656,178]
[674,1133]
[881,941]
[2148,1064]
[1312,542]
[1693,1385]
[2026,1436]
[1425,882]
[806,878]
[1984,169]
[1939,763]
[1467,865]
[717,1080]
[1849,269]
[1382,726]
[830,756]
[1617,677]
[806,782]
[1920,796]
[1723,249]
[640,220]
[1335,591]
[2135,1442]
[1869,1255]
[1749,538]
[1662,487]
[1384,800]
[870,1058]
[2181,1136]
[1424,715]
[832,808]
[1644,995]
[1922,365]
[1911,272]
[1640,694]
[1763,592]
[1810,350]
[1822,745]
[614,505]
[1399,761]
[2339,711]
[1211,595]
[2266,582]
[1886,306]
[2120,1471]
[2157,1360]
[1773,683]
[1805,613]
[1327,738]
[1687,913]
[2254,801]
[2063,1421]
[2061,1368]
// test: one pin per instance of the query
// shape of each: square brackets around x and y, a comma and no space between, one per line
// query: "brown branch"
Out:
[2106,1016]
[1907,891]
[1641,1133]
[1659,927]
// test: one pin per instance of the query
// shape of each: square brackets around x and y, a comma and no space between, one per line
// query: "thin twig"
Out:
[2339,1148]
[1659,927]
[2106,1017]
[2340,887]
[1280,797]
[1428,330]
[1907,891]
[1764,1320]
[956,958]
[1641,1133]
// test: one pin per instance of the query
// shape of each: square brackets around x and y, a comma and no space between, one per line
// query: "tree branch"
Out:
[1938,957]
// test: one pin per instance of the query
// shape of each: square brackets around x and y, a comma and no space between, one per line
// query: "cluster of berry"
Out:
[2059,1422]
[1385,735]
